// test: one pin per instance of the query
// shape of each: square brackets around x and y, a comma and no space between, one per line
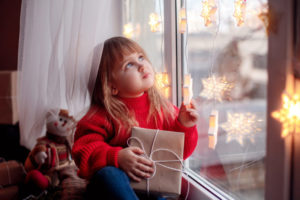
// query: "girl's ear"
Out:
[114,91]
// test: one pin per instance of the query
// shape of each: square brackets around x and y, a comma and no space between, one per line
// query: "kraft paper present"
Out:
[8,97]
[11,173]
[8,110]
[164,181]
[9,193]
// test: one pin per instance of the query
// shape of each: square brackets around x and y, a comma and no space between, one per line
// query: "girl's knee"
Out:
[109,172]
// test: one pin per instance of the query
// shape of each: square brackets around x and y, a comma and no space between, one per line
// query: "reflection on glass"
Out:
[227,61]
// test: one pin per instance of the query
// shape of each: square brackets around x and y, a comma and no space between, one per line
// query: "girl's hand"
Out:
[188,115]
[135,166]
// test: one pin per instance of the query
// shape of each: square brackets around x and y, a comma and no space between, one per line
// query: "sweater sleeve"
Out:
[91,150]
[190,134]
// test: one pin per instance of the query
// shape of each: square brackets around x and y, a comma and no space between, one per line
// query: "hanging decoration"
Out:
[213,129]
[187,89]
[163,83]
[155,22]
[289,114]
[128,30]
[182,20]
[240,126]
[264,16]
[216,88]
[239,11]
[209,9]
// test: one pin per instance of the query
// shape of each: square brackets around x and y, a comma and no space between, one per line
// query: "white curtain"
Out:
[59,53]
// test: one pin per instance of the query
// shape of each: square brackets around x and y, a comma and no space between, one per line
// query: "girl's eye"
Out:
[60,119]
[129,65]
[141,58]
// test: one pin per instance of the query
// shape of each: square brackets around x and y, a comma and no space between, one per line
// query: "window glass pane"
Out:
[225,53]
[143,22]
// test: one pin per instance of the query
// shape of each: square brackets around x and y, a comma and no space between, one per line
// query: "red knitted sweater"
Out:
[95,143]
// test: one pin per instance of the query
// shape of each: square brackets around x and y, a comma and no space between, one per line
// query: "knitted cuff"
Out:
[112,156]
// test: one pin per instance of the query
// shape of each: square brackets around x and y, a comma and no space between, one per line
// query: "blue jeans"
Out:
[111,183]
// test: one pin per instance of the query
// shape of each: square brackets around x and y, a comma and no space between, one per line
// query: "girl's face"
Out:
[133,76]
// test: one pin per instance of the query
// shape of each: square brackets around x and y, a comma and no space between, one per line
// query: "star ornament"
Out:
[154,22]
[240,126]
[289,114]
[216,88]
[163,83]
[208,11]
[239,11]
[128,30]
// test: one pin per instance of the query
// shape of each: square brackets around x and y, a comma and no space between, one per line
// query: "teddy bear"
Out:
[50,160]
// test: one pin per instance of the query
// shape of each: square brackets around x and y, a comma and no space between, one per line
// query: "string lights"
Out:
[289,114]
[187,89]
[154,22]
[163,83]
[240,126]
[239,11]
[209,9]
[182,20]
[216,88]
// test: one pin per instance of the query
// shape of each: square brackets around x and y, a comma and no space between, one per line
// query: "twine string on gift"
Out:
[159,162]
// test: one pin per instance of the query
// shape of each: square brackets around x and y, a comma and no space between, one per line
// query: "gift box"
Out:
[165,148]
[8,97]
[11,173]
[9,193]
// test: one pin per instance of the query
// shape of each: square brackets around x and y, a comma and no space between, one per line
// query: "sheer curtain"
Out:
[59,53]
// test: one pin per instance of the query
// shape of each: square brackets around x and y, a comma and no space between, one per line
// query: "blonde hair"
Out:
[113,52]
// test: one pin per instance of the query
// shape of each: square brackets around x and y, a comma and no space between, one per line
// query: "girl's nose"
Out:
[141,67]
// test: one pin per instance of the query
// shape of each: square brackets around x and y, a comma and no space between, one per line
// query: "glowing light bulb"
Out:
[182,20]
[128,30]
[239,11]
[213,129]
[154,22]
[187,89]
[163,83]
[209,9]
[289,114]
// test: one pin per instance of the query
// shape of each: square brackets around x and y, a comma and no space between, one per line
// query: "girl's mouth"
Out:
[146,75]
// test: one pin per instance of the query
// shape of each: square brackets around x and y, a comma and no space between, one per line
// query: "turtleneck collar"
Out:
[137,103]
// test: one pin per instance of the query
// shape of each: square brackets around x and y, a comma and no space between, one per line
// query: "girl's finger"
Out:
[145,168]
[182,107]
[141,174]
[137,150]
[134,177]
[193,104]
[195,115]
[145,161]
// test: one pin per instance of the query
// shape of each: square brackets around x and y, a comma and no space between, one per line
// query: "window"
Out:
[222,59]
[226,60]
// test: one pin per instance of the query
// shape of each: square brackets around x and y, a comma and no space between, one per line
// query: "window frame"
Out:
[281,159]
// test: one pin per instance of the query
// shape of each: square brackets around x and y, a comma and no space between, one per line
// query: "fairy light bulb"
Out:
[239,11]
[289,114]
[213,129]
[209,9]
[128,30]
[182,20]
[187,89]
[163,83]
[154,22]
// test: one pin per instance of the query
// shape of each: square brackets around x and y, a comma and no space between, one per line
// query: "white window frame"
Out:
[282,179]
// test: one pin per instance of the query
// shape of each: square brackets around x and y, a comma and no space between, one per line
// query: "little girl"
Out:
[125,96]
